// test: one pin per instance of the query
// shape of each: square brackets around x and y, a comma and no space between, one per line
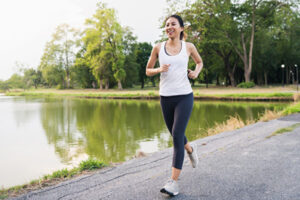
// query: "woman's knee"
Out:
[178,139]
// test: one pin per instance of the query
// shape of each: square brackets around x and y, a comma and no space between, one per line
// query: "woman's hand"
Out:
[193,74]
[164,68]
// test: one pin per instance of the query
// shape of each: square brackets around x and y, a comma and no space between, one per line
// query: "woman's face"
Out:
[173,28]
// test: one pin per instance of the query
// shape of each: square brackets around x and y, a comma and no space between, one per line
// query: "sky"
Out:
[26,26]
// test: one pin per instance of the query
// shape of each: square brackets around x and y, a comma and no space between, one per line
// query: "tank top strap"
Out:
[162,46]
[184,47]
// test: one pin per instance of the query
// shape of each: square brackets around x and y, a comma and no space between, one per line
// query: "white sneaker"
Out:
[171,188]
[193,156]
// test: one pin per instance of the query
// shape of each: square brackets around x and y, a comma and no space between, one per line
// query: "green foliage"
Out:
[90,164]
[284,130]
[59,56]
[104,45]
[16,81]
[60,174]
[32,77]
[3,196]
[130,63]
[106,54]
[295,108]
[142,56]
[246,85]
[4,86]
[81,73]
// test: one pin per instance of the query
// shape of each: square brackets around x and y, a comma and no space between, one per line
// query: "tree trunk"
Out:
[230,71]
[266,77]
[68,79]
[287,75]
[247,60]
[218,81]
[251,42]
[143,83]
[232,80]
[106,84]
[247,75]
[63,83]
[119,85]
[101,85]
[153,81]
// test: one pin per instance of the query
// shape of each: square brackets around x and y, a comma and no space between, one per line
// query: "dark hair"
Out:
[180,23]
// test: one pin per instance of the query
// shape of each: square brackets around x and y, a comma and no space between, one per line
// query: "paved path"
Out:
[241,164]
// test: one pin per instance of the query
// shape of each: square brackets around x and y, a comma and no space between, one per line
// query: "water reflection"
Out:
[113,130]
[46,134]
[105,129]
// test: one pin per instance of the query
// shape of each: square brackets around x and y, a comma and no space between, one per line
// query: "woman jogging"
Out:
[176,94]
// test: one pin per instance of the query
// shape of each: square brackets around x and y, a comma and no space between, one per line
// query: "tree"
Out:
[65,38]
[59,56]
[104,48]
[81,73]
[4,86]
[32,77]
[51,65]
[143,53]
[131,66]
[16,81]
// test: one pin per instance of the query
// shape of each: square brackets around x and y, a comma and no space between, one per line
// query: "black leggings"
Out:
[176,111]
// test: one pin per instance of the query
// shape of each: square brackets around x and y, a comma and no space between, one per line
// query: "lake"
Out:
[42,135]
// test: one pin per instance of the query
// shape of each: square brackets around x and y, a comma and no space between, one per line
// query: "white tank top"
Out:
[175,81]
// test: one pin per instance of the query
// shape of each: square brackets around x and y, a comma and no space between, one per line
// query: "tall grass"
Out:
[270,115]
[294,108]
[233,123]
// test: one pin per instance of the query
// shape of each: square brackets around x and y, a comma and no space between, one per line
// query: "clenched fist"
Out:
[164,68]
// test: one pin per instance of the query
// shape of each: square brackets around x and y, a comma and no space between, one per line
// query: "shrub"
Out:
[59,87]
[90,164]
[246,85]
[60,173]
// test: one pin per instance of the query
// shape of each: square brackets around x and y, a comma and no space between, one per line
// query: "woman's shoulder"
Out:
[157,46]
[189,45]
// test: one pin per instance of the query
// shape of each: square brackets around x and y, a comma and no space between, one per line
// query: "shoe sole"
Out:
[169,193]
[196,163]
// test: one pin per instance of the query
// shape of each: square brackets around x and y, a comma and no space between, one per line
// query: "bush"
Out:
[90,164]
[59,87]
[60,173]
[246,85]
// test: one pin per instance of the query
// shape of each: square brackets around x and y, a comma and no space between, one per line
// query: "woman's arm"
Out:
[197,59]
[150,70]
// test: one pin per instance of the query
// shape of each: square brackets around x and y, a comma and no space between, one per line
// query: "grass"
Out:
[277,93]
[270,115]
[245,95]
[294,108]
[236,122]
[52,179]
[284,130]
[231,124]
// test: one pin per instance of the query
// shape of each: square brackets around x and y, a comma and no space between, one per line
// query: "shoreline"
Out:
[209,94]
[231,124]
[295,108]
[134,168]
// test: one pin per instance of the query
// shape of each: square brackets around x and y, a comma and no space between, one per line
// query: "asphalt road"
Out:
[241,164]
